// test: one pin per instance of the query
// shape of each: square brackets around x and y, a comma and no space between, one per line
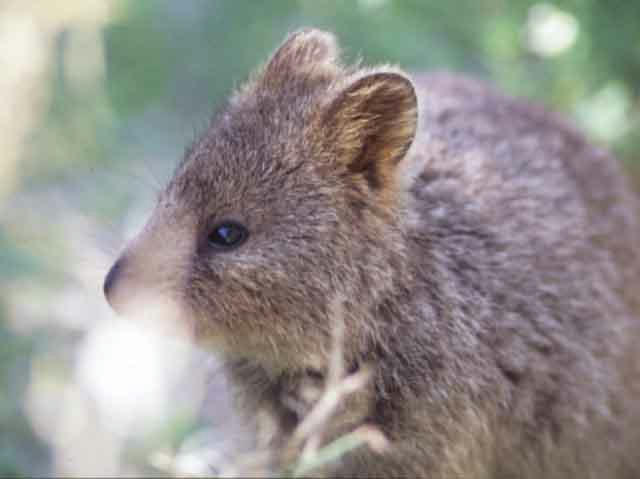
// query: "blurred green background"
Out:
[100,99]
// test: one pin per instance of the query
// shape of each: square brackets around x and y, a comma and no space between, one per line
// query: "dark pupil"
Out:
[227,234]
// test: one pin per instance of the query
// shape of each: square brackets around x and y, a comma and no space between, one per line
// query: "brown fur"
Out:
[489,274]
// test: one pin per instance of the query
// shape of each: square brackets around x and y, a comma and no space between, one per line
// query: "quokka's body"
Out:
[486,259]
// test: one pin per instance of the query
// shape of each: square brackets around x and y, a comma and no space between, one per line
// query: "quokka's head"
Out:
[289,202]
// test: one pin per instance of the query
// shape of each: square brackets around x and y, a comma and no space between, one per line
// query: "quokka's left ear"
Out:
[305,54]
[371,124]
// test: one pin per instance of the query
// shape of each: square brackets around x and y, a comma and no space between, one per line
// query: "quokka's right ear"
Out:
[303,53]
[370,125]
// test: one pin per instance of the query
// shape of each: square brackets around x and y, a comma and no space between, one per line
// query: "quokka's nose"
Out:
[110,282]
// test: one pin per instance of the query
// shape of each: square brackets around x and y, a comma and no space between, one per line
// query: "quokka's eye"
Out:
[227,235]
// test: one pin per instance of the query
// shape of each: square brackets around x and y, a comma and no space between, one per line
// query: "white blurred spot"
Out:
[63,415]
[550,31]
[606,114]
[204,453]
[22,48]
[191,465]
[127,370]
[371,4]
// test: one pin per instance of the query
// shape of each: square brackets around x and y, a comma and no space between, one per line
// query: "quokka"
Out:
[485,257]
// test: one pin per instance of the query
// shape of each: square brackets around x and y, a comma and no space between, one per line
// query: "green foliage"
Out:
[184,57]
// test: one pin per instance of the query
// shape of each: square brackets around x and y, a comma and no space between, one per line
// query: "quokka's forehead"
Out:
[254,145]
[261,129]
[226,177]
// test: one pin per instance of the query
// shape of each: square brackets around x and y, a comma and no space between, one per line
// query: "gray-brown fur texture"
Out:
[485,255]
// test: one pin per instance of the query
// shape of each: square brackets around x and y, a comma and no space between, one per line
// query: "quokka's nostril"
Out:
[111,279]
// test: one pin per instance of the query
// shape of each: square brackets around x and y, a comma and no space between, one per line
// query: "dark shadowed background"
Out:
[99,100]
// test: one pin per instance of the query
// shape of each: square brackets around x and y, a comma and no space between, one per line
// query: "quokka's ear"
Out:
[303,53]
[371,125]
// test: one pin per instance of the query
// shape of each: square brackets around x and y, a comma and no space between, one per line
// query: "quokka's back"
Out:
[485,257]
[539,233]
